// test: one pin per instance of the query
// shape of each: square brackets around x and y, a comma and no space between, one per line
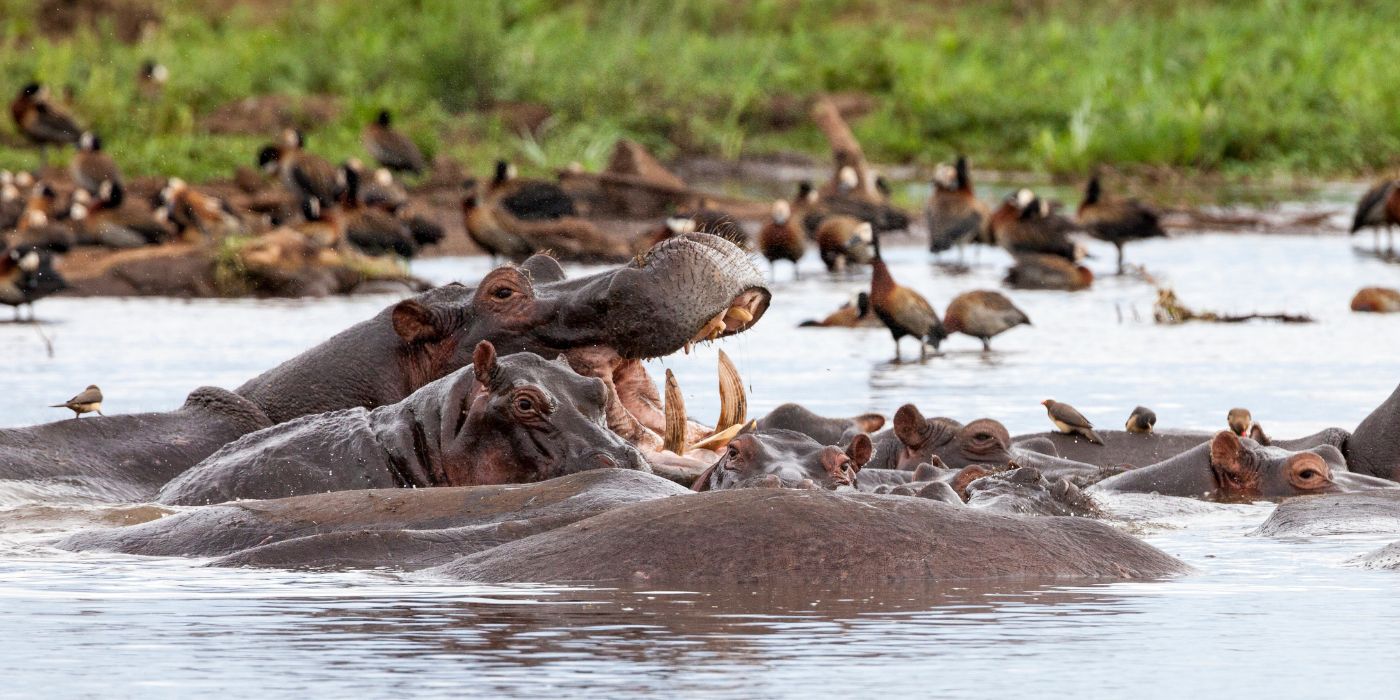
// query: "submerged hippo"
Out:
[400,528]
[691,286]
[771,536]
[1231,468]
[1369,512]
[785,458]
[517,419]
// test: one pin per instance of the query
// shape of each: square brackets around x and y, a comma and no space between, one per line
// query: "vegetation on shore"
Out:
[1254,87]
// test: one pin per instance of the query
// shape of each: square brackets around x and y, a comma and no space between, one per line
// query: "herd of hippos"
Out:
[509,430]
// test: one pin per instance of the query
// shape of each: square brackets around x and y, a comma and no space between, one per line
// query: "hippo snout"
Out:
[625,458]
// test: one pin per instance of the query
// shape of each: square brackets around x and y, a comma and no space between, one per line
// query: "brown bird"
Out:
[91,166]
[1027,224]
[1240,421]
[485,230]
[88,401]
[373,231]
[852,314]
[843,240]
[1141,421]
[1034,271]
[1375,211]
[954,214]
[105,221]
[1070,421]
[983,314]
[1373,299]
[41,122]
[528,200]
[191,210]
[391,148]
[1116,221]
[26,276]
[151,79]
[903,310]
[782,239]
[304,174]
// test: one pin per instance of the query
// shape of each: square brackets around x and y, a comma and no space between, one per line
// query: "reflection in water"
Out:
[1260,618]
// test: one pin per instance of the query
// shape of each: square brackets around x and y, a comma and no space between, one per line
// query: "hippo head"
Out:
[983,441]
[785,458]
[512,419]
[1244,470]
[687,289]
[1025,491]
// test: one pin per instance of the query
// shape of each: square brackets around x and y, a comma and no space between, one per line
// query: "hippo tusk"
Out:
[674,440]
[718,439]
[733,403]
[739,313]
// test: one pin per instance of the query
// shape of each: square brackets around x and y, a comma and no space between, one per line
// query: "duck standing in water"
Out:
[954,214]
[1026,224]
[782,239]
[1376,211]
[983,315]
[1116,221]
[902,310]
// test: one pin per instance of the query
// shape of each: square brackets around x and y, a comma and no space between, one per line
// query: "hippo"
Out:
[1386,558]
[1025,491]
[916,440]
[785,458]
[1231,468]
[373,528]
[515,419]
[1123,448]
[691,287]
[1368,512]
[772,536]
[827,431]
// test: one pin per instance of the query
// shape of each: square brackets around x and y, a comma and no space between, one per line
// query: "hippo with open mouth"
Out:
[690,288]
[516,419]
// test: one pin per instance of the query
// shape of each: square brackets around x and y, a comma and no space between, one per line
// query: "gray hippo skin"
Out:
[1233,469]
[1367,512]
[785,459]
[769,536]
[400,528]
[605,323]
[827,431]
[518,419]
[1386,558]
[1141,449]
[1374,447]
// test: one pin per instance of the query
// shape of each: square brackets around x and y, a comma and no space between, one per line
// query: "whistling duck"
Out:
[91,166]
[1375,211]
[41,122]
[781,239]
[151,78]
[1025,223]
[191,210]
[903,310]
[1116,221]
[104,221]
[392,149]
[38,225]
[303,174]
[26,276]
[485,230]
[324,227]
[1141,421]
[1376,300]
[11,201]
[852,314]
[378,188]
[843,240]
[954,214]
[1037,271]
[529,200]
[982,314]
[371,230]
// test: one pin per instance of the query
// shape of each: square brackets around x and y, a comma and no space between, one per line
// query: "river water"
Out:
[1259,618]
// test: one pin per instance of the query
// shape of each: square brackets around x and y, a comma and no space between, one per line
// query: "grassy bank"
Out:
[1307,87]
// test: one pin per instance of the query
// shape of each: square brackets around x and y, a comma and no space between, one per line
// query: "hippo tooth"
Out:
[675,416]
[733,403]
[716,440]
[742,314]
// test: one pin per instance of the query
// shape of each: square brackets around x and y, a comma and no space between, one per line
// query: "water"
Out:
[1260,618]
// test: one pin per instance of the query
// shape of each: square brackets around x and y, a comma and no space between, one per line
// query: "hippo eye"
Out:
[503,293]
[524,405]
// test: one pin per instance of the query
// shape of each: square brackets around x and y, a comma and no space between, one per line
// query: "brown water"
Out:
[1260,618]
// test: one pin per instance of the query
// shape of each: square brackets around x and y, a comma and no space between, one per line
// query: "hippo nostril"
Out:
[603,461]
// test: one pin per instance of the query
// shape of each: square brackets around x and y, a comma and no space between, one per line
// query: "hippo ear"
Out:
[484,363]
[542,269]
[1228,459]
[860,450]
[416,323]
[910,426]
[702,482]
[869,422]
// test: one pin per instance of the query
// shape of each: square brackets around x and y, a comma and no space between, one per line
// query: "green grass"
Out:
[1247,88]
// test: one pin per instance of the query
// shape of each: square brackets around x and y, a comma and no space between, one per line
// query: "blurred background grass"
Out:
[1245,88]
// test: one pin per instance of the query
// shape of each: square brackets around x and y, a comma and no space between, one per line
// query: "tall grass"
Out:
[1253,86]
